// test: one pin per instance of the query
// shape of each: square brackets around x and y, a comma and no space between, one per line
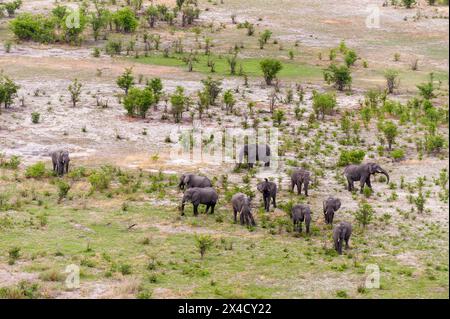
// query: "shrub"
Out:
[75,91]
[398,154]
[125,269]
[390,132]
[203,243]
[125,20]
[347,157]
[100,180]
[63,189]
[13,255]
[364,214]
[35,116]
[392,81]
[229,100]
[12,163]
[270,69]
[23,290]
[409,3]
[8,90]
[420,202]
[350,58]
[323,103]
[113,47]
[33,27]
[178,101]
[434,143]
[36,170]
[340,76]
[126,80]
[138,101]
[212,89]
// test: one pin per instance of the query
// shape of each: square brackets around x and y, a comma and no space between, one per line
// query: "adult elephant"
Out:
[341,233]
[301,213]
[362,174]
[330,206]
[241,205]
[269,192]
[254,153]
[205,196]
[191,180]
[300,177]
[60,160]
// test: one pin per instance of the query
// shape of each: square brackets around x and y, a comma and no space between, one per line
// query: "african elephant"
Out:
[269,191]
[241,204]
[341,232]
[255,153]
[301,213]
[300,177]
[60,160]
[206,196]
[362,174]
[190,180]
[330,206]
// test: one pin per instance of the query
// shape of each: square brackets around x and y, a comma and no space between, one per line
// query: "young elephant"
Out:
[60,160]
[206,196]
[301,213]
[269,191]
[190,180]
[341,232]
[298,178]
[362,173]
[330,206]
[254,153]
[241,204]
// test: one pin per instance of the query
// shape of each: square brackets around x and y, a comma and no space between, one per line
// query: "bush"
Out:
[390,132]
[126,80]
[138,101]
[203,242]
[340,76]
[350,58]
[323,103]
[398,154]
[8,90]
[33,27]
[63,189]
[270,69]
[12,163]
[35,116]
[113,47]
[434,143]
[364,214]
[348,157]
[125,20]
[13,255]
[36,170]
[392,81]
[100,180]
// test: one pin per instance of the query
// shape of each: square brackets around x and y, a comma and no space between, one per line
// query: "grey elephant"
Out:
[205,196]
[60,160]
[242,204]
[301,213]
[341,233]
[254,153]
[300,177]
[330,206]
[269,191]
[362,173]
[191,180]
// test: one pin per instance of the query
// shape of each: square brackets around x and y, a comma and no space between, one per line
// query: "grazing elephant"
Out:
[362,174]
[300,177]
[255,153]
[269,191]
[330,206]
[341,232]
[190,180]
[241,204]
[301,213]
[60,160]
[206,196]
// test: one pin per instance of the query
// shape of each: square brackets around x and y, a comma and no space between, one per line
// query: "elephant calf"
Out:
[60,160]
[330,206]
[190,180]
[362,173]
[205,196]
[241,204]
[301,213]
[341,232]
[269,191]
[298,178]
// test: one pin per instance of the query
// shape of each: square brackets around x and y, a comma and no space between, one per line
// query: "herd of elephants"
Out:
[199,190]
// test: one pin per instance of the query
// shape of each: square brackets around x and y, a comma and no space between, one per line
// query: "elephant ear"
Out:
[372,168]
[337,204]
[187,178]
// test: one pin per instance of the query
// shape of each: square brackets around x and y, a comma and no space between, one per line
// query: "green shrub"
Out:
[125,20]
[340,76]
[33,27]
[323,103]
[351,157]
[13,255]
[36,170]
[63,189]
[398,154]
[100,180]
[203,243]
[364,214]
[35,116]
[270,69]
[12,163]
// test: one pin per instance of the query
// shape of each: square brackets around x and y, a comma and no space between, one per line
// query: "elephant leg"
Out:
[235,215]
[300,227]
[275,201]
[195,209]
[207,208]
[362,182]
[346,244]
[292,186]
[350,184]
[299,188]
[307,228]
[266,203]
[368,183]
[267,164]
[212,208]
[306,189]
[331,219]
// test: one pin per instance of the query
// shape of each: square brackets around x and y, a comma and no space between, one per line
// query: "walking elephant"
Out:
[254,153]
[241,205]
[341,233]
[60,160]
[330,206]
[362,173]
[300,177]
[269,191]
[191,180]
[205,196]
[301,213]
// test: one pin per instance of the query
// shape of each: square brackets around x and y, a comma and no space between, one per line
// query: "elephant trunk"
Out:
[382,171]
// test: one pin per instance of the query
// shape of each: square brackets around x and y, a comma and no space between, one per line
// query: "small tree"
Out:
[156,86]
[426,89]
[178,101]
[75,91]
[392,81]
[278,117]
[420,202]
[409,3]
[340,76]
[266,35]
[229,100]
[138,101]
[270,69]
[350,58]
[125,20]
[323,103]
[126,80]
[8,90]
[364,214]
[203,243]
[212,89]
[232,62]
[390,132]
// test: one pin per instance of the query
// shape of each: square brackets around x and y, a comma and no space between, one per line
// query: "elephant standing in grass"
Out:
[269,191]
[298,178]
[330,206]
[362,173]
[205,196]
[341,232]
[301,213]
[241,204]
[190,180]
[255,153]
[60,160]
